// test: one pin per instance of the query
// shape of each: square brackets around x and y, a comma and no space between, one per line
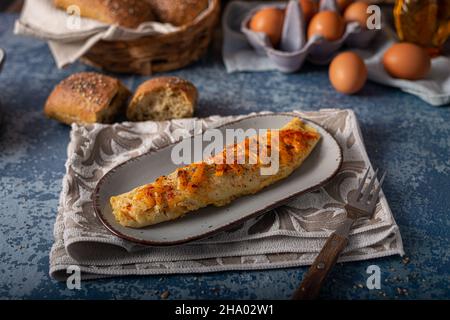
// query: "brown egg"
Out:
[343,4]
[309,8]
[347,72]
[270,21]
[357,12]
[328,24]
[407,61]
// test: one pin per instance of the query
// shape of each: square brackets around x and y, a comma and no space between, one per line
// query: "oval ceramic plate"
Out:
[321,165]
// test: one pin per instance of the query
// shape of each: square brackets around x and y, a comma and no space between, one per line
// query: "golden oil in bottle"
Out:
[423,22]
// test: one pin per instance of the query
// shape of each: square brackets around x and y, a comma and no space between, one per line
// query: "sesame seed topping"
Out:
[88,85]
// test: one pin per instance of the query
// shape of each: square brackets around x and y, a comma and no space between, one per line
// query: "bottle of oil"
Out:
[423,22]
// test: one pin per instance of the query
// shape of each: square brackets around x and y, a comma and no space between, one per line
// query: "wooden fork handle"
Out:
[312,282]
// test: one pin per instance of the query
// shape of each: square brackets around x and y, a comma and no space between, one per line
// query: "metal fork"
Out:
[359,205]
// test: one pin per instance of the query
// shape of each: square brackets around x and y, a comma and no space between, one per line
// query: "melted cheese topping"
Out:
[215,181]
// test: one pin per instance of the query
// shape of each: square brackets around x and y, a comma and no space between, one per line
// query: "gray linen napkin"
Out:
[238,56]
[288,236]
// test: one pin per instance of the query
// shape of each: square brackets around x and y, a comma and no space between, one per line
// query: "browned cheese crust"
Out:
[211,182]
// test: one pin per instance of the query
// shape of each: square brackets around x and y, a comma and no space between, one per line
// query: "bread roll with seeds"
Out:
[87,97]
[163,98]
[125,13]
[178,12]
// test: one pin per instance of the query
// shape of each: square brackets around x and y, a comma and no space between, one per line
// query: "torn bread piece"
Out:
[163,98]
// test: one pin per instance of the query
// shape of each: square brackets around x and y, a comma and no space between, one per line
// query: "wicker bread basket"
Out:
[157,53]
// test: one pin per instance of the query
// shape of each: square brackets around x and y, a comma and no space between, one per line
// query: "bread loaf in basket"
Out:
[158,53]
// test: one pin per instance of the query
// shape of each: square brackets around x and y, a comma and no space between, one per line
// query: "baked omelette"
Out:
[214,182]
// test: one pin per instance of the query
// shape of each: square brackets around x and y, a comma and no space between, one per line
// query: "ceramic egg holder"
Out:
[294,48]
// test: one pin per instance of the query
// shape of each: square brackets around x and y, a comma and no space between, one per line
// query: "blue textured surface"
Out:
[403,135]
